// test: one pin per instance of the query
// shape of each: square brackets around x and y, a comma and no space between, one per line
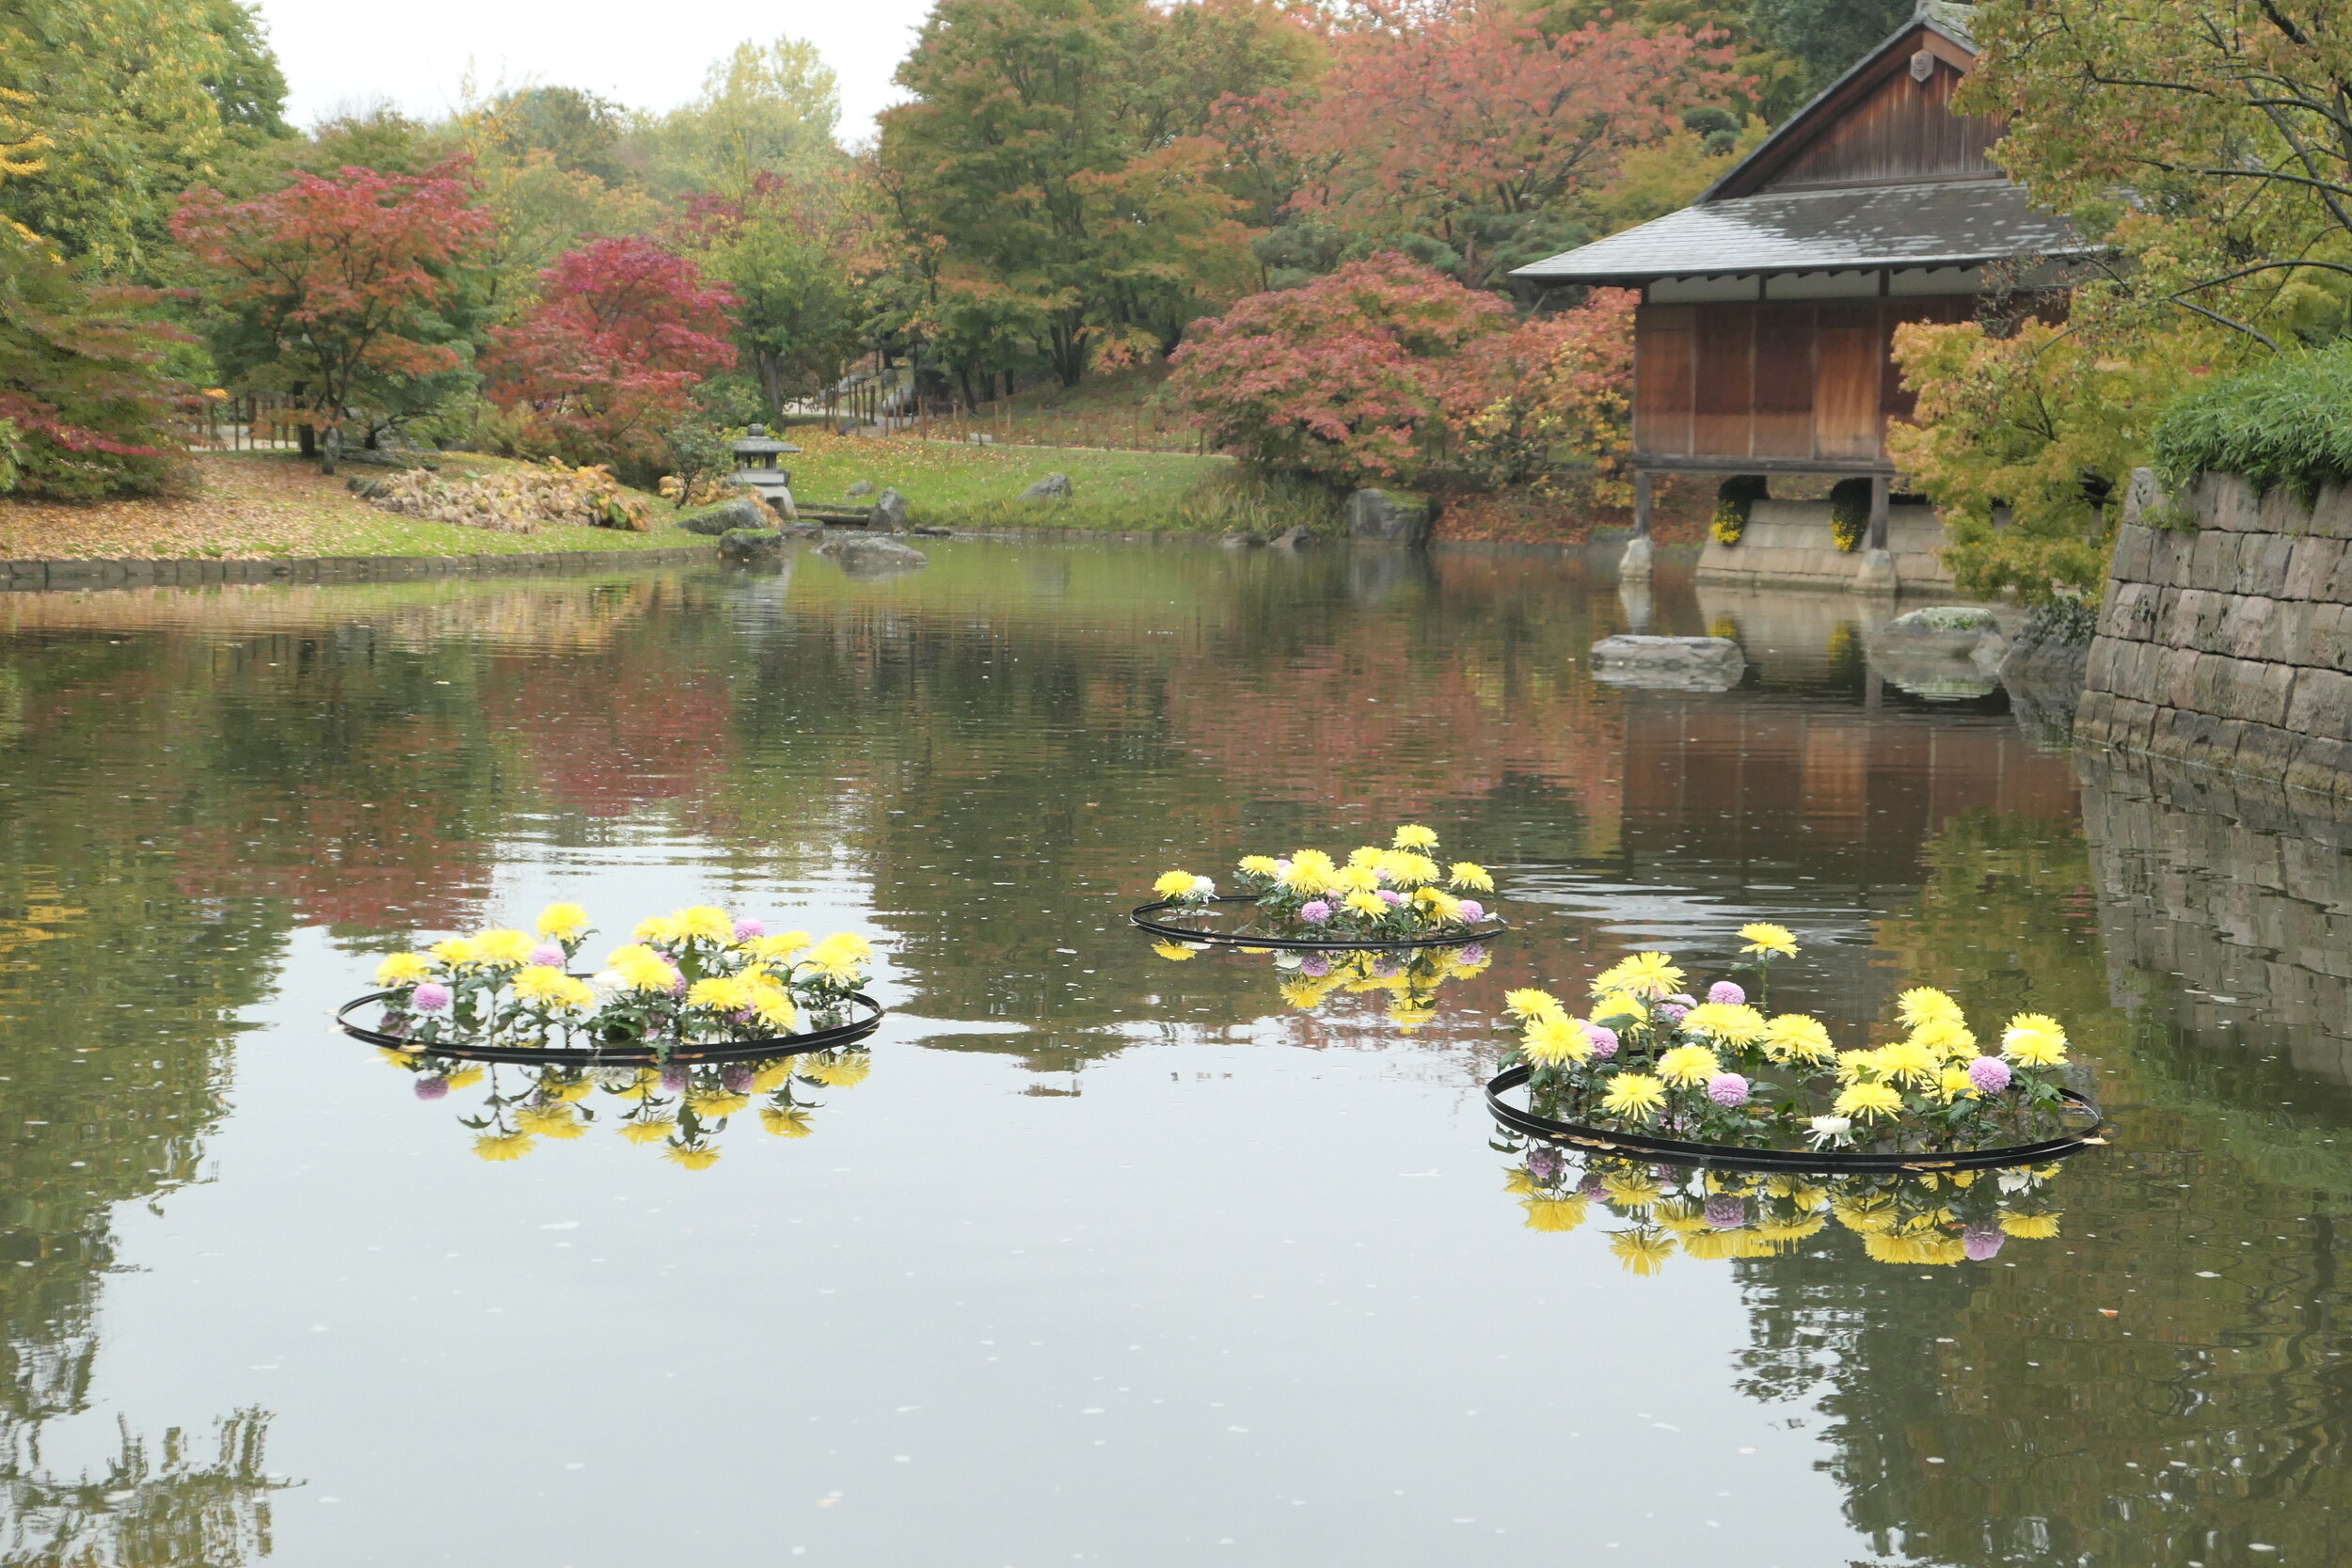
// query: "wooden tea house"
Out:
[1762,342]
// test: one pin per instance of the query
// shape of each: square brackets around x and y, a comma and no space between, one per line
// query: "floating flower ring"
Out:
[1824,1161]
[1462,937]
[623,1053]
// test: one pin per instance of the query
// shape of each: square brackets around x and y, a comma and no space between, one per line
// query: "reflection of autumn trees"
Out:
[2209,1413]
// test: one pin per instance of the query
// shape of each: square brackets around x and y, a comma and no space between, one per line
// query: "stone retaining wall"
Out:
[2226,638]
[1788,544]
[354,568]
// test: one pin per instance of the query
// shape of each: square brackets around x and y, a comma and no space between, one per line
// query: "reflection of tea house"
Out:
[1762,343]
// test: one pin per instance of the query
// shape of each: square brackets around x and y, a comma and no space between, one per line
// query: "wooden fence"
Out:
[248,422]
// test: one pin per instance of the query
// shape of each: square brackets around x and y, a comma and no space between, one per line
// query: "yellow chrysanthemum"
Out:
[1953,1082]
[1866,1216]
[778,948]
[1854,1066]
[1647,975]
[1556,1213]
[632,953]
[1176,951]
[691,1156]
[1357,878]
[1641,1252]
[840,959]
[649,1129]
[1312,872]
[1905,1062]
[1617,1008]
[1259,865]
[1868,1101]
[1922,1002]
[1365,903]
[1412,836]
[774,1010]
[1528,1002]
[576,996]
[1440,904]
[1687,1066]
[659,928]
[562,921]
[1471,877]
[1783,1232]
[786,1121]
[1797,1037]
[705,922]
[1409,870]
[722,995]
[1635,1095]
[1949,1038]
[467,1077]
[711,1105]
[2030,1227]
[771,1077]
[1172,884]
[541,983]
[2034,1039]
[1680,1214]
[453,951]
[648,973]
[503,947]
[1519,1179]
[403,968]
[499,1147]
[556,1087]
[1762,937]
[1733,1022]
[1553,1041]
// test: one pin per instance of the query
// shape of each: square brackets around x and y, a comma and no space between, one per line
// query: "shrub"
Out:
[1555,392]
[1340,378]
[1733,498]
[1849,512]
[513,501]
[2286,422]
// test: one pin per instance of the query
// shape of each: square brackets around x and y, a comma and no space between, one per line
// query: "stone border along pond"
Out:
[2226,638]
[139,573]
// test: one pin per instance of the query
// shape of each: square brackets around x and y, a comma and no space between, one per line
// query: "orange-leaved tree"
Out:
[350,294]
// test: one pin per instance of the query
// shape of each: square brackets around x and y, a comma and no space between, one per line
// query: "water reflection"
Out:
[681,1109]
[1663,1210]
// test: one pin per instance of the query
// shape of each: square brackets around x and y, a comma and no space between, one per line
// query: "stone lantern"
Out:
[757,468]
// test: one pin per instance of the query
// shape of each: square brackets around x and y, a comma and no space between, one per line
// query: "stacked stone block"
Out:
[2226,639]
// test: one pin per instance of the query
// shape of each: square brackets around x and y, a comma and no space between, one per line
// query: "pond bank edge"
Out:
[137,573]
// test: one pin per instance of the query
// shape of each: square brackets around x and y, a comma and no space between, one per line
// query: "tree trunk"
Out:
[306,438]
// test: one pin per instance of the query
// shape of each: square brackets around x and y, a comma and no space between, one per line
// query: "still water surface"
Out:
[1108,1258]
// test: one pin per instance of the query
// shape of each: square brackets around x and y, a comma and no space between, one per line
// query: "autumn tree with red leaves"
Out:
[1555,393]
[622,333]
[1343,378]
[1454,126]
[350,294]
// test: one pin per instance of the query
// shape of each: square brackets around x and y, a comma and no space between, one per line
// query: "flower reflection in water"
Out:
[680,1109]
[1408,978]
[1906,1217]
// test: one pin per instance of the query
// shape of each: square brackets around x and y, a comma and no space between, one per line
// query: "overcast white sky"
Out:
[647,54]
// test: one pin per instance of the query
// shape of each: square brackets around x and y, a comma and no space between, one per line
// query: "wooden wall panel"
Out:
[1723,398]
[1662,353]
[1903,130]
[1848,356]
[1784,380]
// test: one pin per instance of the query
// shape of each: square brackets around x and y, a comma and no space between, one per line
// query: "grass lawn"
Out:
[274,505]
[952,485]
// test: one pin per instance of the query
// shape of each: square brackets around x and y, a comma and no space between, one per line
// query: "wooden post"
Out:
[1641,505]
[1879,487]
[1876,572]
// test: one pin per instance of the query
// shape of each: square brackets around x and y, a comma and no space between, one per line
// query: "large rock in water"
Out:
[1390,517]
[740,512]
[1053,487]
[865,555]
[1670,663]
[890,513]
[749,543]
[1946,652]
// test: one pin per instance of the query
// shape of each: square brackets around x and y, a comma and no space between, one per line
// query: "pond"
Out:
[1098,1256]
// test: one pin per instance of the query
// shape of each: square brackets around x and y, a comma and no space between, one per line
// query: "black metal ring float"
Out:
[1480,932]
[1826,1162]
[631,1054]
